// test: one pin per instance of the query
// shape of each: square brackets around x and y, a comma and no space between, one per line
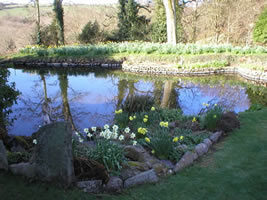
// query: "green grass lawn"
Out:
[236,169]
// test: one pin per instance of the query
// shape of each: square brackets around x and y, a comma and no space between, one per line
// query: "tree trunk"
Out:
[171,20]
[38,39]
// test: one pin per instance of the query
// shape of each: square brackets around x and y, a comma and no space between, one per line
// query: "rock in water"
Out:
[53,157]
[3,158]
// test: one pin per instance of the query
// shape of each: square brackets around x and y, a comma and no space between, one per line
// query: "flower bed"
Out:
[145,145]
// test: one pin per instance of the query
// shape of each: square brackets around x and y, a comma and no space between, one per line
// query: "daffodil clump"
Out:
[112,133]
[164,124]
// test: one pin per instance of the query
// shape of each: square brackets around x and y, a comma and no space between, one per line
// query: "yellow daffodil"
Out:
[147,139]
[146,116]
[214,116]
[153,151]
[194,120]
[131,118]
[153,108]
[134,117]
[181,137]
[142,131]
[118,111]
[175,139]
[164,124]
[145,120]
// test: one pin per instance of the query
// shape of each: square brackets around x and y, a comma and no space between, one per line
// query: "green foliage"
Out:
[91,33]
[131,25]
[211,117]
[260,28]
[121,119]
[47,35]
[111,155]
[8,96]
[59,21]
[255,107]
[17,157]
[162,145]
[170,114]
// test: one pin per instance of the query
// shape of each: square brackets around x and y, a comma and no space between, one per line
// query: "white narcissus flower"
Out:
[106,126]
[134,142]
[80,140]
[34,141]
[115,127]
[127,130]
[90,135]
[86,130]
[132,136]
[121,137]
[93,128]
[101,134]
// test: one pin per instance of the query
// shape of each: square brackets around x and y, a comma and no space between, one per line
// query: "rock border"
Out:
[152,68]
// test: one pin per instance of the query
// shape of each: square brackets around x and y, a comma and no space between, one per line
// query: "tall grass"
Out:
[141,48]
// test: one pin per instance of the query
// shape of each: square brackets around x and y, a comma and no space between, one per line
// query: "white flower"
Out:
[132,136]
[80,140]
[134,142]
[106,126]
[121,137]
[76,133]
[115,127]
[127,130]
[34,141]
[93,128]
[86,130]
[115,135]
[90,135]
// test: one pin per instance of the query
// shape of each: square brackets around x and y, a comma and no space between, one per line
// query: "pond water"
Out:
[89,98]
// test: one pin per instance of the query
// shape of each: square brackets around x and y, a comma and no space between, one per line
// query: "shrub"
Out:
[90,33]
[162,145]
[211,117]
[260,29]
[17,157]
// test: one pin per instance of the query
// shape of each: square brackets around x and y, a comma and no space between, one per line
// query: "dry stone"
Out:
[149,176]
[94,186]
[201,149]
[215,136]
[115,184]
[187,159]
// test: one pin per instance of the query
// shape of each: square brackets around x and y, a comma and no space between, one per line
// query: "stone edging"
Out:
[254,75]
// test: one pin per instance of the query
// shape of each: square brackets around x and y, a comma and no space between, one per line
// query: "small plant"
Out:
[17,157]
[111,155]
[161,144]
[211,117]
[138,103]
[170,114]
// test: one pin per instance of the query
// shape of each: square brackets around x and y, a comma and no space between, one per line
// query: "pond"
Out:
[89,98]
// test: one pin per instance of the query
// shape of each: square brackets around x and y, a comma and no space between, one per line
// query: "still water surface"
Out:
[90,98]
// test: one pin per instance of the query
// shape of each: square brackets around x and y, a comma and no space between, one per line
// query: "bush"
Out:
[260,29]
[211,117]
[91,34]
[17,157]
[162,145]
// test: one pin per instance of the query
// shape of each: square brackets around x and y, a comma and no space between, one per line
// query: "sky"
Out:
[64,1]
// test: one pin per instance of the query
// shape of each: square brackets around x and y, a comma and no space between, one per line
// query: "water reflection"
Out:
[87,98]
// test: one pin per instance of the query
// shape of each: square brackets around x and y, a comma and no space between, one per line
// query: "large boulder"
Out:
[3,158]
[228,122]
[53,157]
[115,184]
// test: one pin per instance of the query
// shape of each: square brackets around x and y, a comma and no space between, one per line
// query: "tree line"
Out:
[210,21]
